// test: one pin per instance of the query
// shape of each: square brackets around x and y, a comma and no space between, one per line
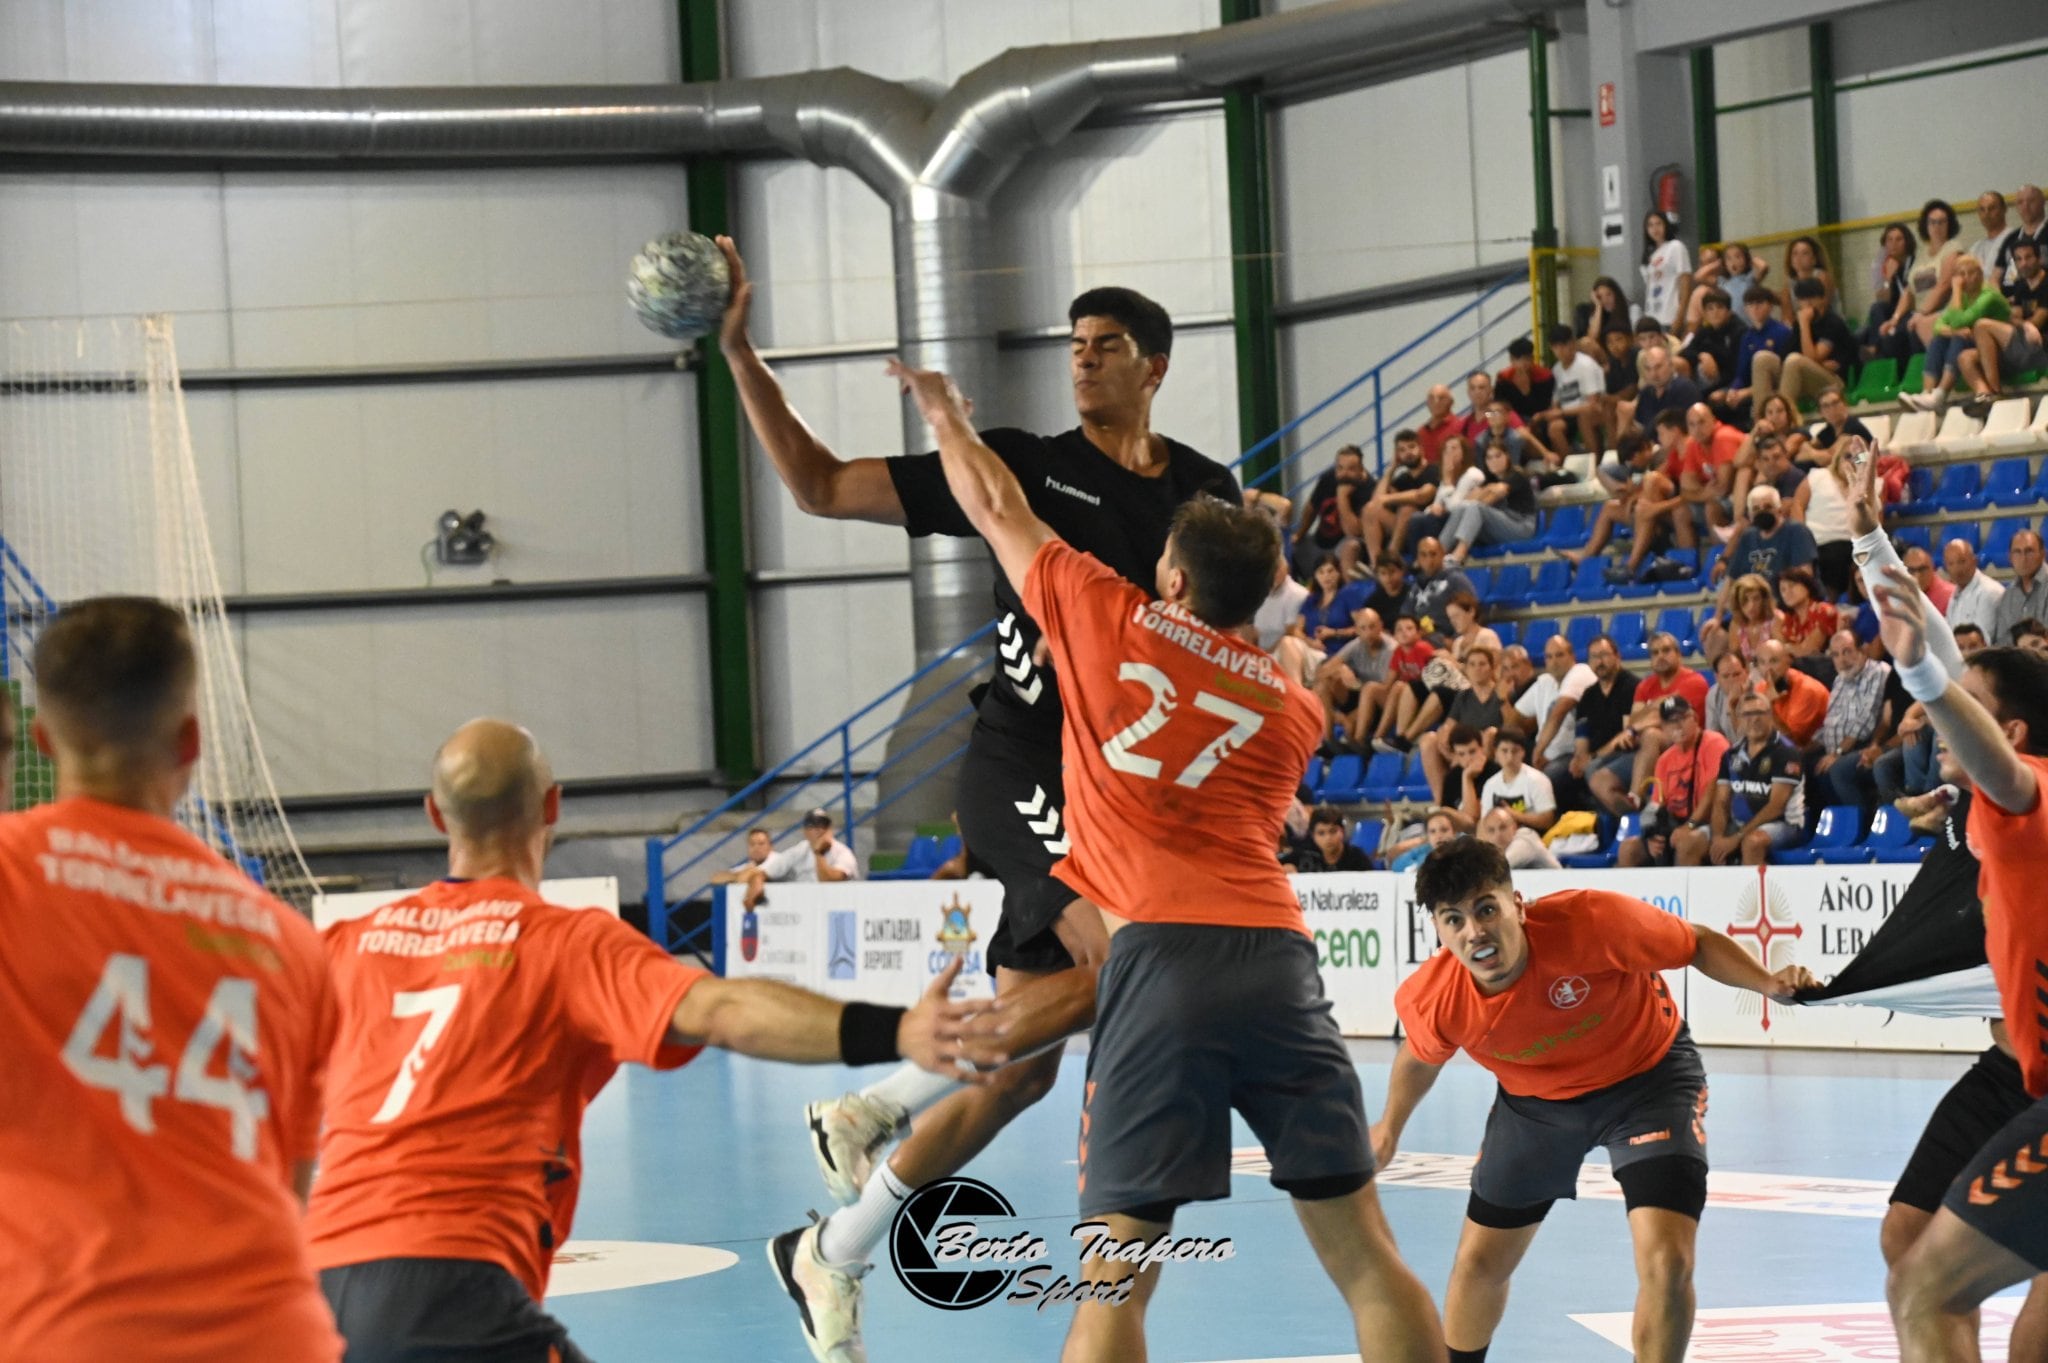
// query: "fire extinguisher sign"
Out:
[1607,105]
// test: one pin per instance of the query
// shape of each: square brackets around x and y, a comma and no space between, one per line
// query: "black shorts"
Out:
[441,1311]
[1987,1096]
[1190,1022]
[1534,1146]
[1012,813]
[2003,1193]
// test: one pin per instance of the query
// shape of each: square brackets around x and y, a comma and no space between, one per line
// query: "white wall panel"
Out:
[581,478]
[816,243]
[854,408]
[358,700]
[1763,66]
[211,419]
[1897,151]
[824,652]
[1766,177]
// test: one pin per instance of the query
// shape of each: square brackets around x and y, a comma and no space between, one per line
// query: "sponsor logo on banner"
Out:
[1351,942]
[1764,924]
[1856,1332]
[842,952]
[885,941]
[956,934]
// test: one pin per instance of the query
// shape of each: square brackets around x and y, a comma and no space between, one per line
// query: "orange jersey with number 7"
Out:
[163,1029]
[477,1021]
[1183,746]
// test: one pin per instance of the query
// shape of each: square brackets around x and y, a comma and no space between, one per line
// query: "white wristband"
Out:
[1924,680]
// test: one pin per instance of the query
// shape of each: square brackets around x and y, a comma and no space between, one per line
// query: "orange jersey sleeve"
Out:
[477,1021]
[166,1025]
[1182,746]
[2012,851]
[1589,1011]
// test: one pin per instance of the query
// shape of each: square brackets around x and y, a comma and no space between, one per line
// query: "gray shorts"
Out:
[1192,1021]
[2003,1193]
[441,1311]
[2020,356]
[1534,1146]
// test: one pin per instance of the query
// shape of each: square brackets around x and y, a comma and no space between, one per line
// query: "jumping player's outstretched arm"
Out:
[822,483]
[988,493]
[775,1021]
[1720,959]
[1874,554]
[1971,733]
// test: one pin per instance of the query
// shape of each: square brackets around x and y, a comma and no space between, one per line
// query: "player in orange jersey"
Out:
[1561,999]
[477,1020]
[166,1024]
[1210,998]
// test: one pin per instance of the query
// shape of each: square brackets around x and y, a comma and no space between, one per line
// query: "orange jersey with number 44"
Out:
[1183,747]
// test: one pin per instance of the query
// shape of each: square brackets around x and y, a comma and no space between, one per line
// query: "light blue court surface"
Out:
[717,1156]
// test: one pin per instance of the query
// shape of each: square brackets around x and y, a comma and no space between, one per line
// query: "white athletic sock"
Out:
[850,1234]
[910,1088]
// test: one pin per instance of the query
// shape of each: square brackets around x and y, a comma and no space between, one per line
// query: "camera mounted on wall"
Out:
[462,540]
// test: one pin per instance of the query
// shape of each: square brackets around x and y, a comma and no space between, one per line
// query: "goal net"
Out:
[99,495]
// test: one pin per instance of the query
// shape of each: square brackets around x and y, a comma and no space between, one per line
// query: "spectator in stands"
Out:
[1887,331]
[1758,805]
[1523,847]
[1527,387]
[1329,517]
[2031,635]
[1607,310]
[1480,705]
[1799,702]
[1443,423]
[1920,564]
[963,864]
[1389,586]
[1822,506]
[1773,543]
[1837,425]
[1706,465]
[1809,619]
[1546,708]
[1668,676]
[1412,655]
[1405,855]
[1805,260]
[1858,722]
[1745,394]
[1579,395]
[1342,683]
[819,858]
[1975,600]
[760,846]
[1517,672]
[1523,790]
[1908,768]
[1618,353]
[1663,390]
[2007,349]
[1934,268]
[1326,612]
[1625,477]
[1471,767]
[1971,301]
[1684,787]
[1330,848]
[2026,596]
[1458,474]
[1823,349]
[1433,585]
[1604,760]
[1969,638]
[1501,510]
[1745,619]
[2033,223]
[1408,486]
[1706,274]
[1991,250]
[1666,269]
[1732,681]
[1660,508]
[1715,346]
[1764,461]
[1277,625]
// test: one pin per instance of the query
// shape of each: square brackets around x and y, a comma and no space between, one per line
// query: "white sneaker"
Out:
[1924,402]
[846,1135]
[828,1299]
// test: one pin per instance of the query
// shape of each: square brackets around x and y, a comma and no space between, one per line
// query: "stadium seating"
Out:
[2005,426]
[1537,636]
[1511,584]
[1891,838]
[1678,622]
[1631,826]
[1351,778]
[1368,834]
[1997,550]
[1834,841]
[1580,634]
[1961,488]
[1567,528]
[1631,636]
[926,855]
[1552,583]
[1415,782]
[2008,483]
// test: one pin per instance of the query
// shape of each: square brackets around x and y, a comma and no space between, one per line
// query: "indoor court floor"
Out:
[1805,1147]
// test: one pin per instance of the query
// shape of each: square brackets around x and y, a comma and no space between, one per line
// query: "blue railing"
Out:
[1392,405]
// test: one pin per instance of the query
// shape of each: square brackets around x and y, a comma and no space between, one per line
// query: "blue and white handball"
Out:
[679,285]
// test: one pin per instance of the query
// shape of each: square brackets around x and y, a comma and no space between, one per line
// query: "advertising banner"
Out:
[879,942]
[1354,918]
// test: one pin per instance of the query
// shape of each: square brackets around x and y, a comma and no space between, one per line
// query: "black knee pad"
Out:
[1673,1183]
[1494,1217]
[1322,1189]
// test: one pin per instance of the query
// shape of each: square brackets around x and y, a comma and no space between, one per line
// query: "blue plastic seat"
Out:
[2039,491]
[1966,531]
[1537,636]
[919,861]
[1552,583]
[1508,630]
[2008,483]
[1589,583]
[1919,499]
[1836,832]
[1631,636]
[1415,781]
[1368,834]
[1677,622]
[1631,826]
[1313,777]
[1580,634]
[1914,537]
[1352,779]
[1481,580]
[1997,551]
[1567,528]
[1891,839]
[1511,584]
[1961,488]
[1707,562]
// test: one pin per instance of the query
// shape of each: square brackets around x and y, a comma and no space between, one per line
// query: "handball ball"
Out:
[679,285]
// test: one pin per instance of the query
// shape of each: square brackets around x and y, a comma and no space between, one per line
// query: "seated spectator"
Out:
[1706,467]
[1276,626]
[1741,271]
[1407,854]
[1325,616]
[2026,596]
[1501,510]
[2006,349]
[1443,423]
[1822,349]
[1683,790]
[1342,683]
[1991,250]
[760,846]
[1625,477]
[1887,331]
[2032,229]
[1969,638]
[1745,619]
[1809,619]
[1579,397]
[1411,658]
[1603,762]
[1666,270]
[1758,805]
[1908,768]
[1434,583]
[1662,508]
[1663,389]
[1329,518]
[1800,702]
[1523,847]
[1624,371]
[1329,846]
[1822,506]
[1710,356]
[1975,599]
[2031,635]
[1546,708]
[1668,676]
[1920,564]
[1706,276]
[1409,486]
[1971,300]
[1479,388]
[1389,586]
[1744,394]
[1607,310]
[1732,681]
[1524,791]
[1852,736]
[1480,705]
[1838,425]
[963,864]
[1807,262]
[1525,386]
[1517,673]
[1470,768]
[1934,267]
[1774,543]
[1458,474]
[819,858]
[1771,465]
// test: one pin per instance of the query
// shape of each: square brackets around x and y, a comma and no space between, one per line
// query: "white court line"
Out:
[1857,1197]
[1856,1332]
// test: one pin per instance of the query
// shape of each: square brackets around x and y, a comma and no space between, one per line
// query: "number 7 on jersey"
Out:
[439,1006]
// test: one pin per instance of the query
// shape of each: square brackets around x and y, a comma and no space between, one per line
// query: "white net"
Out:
[99,495]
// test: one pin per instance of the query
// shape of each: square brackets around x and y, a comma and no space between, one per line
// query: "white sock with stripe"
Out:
[849,1235]
[910,1088]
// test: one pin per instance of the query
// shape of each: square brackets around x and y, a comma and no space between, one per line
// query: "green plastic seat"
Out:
[1916,369]
[1878,382]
